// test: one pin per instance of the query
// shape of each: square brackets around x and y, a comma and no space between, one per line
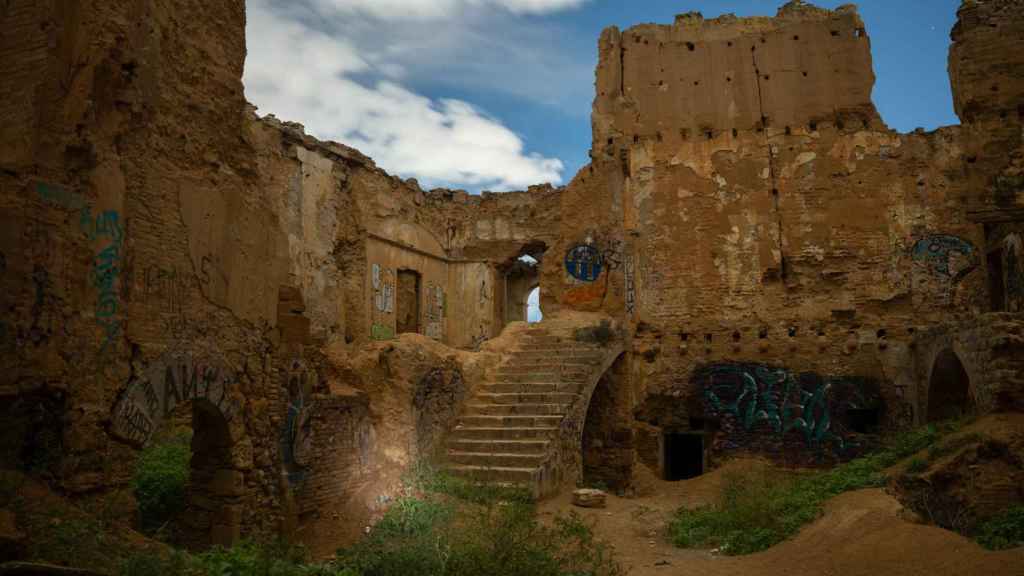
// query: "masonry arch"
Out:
[179,392]
[213,507]
[521,282]
[606,444]
[949,388]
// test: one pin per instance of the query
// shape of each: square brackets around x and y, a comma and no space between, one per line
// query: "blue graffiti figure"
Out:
[938,252]
[584,263]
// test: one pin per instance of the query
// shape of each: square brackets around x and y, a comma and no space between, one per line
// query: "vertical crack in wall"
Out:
[771,163]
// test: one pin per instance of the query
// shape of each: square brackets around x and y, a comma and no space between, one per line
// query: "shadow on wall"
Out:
[949,393]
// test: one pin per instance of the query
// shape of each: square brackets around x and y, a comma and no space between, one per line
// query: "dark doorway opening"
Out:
[863,420]
[407,302]
[996,287]
[949,389]
[607,441]
[212,515]
[683,455]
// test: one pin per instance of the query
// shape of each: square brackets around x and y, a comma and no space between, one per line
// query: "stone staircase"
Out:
[509,430]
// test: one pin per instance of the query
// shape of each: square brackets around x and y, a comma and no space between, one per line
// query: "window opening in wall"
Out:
[533,311]
[407,302]
[519,293]
[996,287]
[683,455]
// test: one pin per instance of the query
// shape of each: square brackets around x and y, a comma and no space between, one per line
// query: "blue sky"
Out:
[496,94]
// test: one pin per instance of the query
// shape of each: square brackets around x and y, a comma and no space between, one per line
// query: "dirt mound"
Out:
[52,530]
[968,476]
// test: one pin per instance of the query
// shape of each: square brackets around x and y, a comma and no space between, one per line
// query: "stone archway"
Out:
[178,385]
[949,388]
[213,496]
[607,441]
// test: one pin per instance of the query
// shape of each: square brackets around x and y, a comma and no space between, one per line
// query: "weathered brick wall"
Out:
[747,205]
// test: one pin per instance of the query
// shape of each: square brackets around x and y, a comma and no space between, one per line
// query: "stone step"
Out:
[502,433]
[555,366]
[537,376]
[510,421]
[496,459]
[529,387]
[513,475]
[551,353]
[526,397]
[531,447]
[534,409]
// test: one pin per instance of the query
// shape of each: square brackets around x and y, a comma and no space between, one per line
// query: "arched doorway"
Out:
[949,393]
[607,445]
[212,514]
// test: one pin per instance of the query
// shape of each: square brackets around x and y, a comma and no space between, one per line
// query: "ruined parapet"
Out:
[697,78]
[985,62]
[986,58]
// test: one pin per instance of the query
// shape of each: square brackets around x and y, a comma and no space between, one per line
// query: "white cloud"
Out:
[432,9]
[301,74]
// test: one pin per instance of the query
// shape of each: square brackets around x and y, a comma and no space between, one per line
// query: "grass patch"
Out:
[444,526]
[759,511]
[455,527]
[161,476]
[1003,531]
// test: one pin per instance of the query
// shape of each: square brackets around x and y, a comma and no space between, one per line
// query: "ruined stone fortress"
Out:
[753,262]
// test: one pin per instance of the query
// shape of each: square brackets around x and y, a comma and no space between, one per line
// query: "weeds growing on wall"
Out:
[161,475]
[599,334]
[757,511]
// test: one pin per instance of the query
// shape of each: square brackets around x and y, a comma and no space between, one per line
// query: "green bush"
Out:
[462,528]
[1003,531]
[253,559]
[161,475]
[917,465]
[758,511]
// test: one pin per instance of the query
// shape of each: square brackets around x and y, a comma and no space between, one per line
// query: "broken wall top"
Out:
[699,78]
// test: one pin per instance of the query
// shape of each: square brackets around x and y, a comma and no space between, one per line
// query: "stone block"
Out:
[589,498]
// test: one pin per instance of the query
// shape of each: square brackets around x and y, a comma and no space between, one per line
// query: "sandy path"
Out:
[861,534]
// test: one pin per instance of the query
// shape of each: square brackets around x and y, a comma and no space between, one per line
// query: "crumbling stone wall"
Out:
[747,204]
[161,246]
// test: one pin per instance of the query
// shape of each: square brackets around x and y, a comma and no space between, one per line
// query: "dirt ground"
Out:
[862,533]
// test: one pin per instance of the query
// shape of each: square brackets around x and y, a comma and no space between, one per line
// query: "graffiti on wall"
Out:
[435,312]
[1014,273]
[766,407]
[177,377]
[584,262]
[108,233]
[946,256]
[630,274]
[383,304]
[296,437]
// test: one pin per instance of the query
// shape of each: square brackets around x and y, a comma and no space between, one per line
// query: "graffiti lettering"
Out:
[382,302]
[584,263]
[630,274]
[165,384]
[382,332]
[434,326]
[756,400]
[946,256]
[106,270]
[296,437]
